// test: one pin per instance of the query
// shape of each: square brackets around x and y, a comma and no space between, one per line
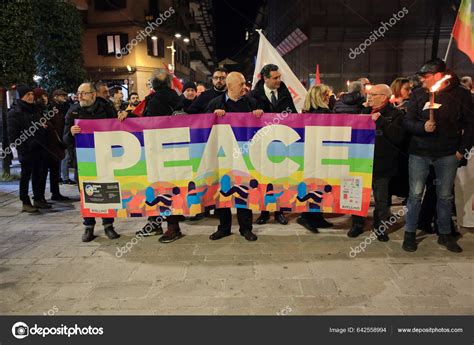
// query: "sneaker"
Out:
[355,231]
[28,208]
[41,204]
[110,233]
[262,220]
[382,236]
[88,234]
[170,236]
[150,229]
[450,243]
[307,225]
[409,242]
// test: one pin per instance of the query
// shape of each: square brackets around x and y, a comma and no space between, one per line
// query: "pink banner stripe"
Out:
[234,119]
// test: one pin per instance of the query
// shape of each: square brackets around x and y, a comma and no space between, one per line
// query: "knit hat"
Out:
[189,85]
[38,92]
[23,89]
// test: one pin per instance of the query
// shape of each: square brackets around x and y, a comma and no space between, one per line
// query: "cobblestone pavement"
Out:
[45,268]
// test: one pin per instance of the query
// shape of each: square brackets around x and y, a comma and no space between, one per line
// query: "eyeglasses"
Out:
[82,93]
[218,78]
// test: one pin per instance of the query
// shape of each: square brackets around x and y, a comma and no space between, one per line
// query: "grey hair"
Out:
[355,86]
[159,77]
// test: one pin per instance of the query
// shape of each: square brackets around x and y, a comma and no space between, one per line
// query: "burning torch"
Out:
[433,89]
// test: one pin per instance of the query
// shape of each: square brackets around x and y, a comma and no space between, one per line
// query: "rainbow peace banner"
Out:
[186,164]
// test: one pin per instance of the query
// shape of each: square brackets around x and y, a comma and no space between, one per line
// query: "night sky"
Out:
[232,19]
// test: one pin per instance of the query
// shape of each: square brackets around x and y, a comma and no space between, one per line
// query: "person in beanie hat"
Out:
[27,133]
[188,96]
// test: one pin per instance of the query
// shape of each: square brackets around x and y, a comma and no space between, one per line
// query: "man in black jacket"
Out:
[440,143]
[201,102]
[88,108]
[389,137]
[234,101]
[272,96]
[351,102]
[163,102]
[103,96]
[26,131]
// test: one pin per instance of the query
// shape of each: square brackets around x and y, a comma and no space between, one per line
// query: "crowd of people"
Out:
[416,156]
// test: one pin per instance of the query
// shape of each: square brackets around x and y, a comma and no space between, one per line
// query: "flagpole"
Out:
[449,47]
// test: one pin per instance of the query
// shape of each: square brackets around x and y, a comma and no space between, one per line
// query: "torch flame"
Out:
[438,84]
[348,82]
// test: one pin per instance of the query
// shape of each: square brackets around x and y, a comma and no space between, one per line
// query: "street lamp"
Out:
[171,47]
[177,35]
[186,40]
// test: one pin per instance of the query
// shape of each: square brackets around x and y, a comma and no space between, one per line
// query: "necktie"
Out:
[273,99]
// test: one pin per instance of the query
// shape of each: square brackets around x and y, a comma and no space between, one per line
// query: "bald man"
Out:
[389,136]
[234,101]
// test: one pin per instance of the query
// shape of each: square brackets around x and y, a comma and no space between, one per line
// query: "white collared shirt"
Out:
[268,92]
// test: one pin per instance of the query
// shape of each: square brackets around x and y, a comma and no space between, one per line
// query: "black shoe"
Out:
[110,233]
[262,220]
[382,236]
[88,235]
[150,229]
[280,218]
[355,231]
[450,243]
[41,205]
[70,182]
[306,225]
[219,234]
[28,208]
[61,181]
[249,235]
[197,217]
[170,236]
[324,224]
[409,242]
[59,197]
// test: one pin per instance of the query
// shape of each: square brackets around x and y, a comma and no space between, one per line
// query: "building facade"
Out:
[378,39]
[124,41]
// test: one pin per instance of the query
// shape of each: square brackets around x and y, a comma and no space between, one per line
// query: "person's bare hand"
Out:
[75,130]
[258,112]
[122,115]
[459,155]
[375,116]
[430,126]
[219,112]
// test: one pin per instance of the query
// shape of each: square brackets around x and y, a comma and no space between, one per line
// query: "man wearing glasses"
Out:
[200,104]
[88,108]
[389,136]
[440,143]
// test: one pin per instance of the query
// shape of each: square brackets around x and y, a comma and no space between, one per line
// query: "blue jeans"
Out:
[445,169]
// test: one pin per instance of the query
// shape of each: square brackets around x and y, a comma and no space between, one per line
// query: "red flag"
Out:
[140,108]
[317,81]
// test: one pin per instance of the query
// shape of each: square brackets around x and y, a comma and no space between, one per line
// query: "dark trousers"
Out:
[53,167]
[90,221]
[244,217]
[381,198]
[31,169]
[313,218]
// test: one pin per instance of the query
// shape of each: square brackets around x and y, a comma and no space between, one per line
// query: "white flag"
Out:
[268,54]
